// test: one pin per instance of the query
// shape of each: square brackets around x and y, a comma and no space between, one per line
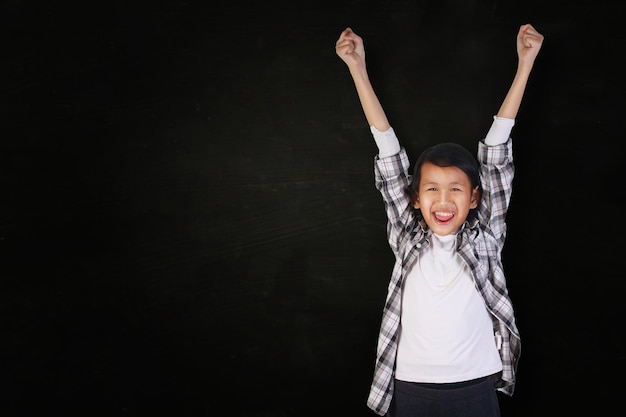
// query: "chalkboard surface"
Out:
[189,224]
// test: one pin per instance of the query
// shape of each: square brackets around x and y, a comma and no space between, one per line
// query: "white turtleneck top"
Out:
[446,332]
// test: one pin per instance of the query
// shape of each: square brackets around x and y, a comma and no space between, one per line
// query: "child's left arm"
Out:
[529,43]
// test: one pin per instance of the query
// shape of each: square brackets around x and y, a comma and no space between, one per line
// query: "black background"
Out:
[188,222]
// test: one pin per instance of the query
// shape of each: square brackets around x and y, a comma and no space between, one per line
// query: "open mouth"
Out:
[443,216]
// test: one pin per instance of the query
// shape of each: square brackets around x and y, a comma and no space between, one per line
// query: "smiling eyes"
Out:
[437,189]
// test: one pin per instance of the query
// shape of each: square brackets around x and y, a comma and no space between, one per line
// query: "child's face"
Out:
[445,197]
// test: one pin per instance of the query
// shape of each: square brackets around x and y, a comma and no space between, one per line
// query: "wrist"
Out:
[358,70]
[524,67]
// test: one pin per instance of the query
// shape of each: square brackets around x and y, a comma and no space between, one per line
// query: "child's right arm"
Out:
[350,49]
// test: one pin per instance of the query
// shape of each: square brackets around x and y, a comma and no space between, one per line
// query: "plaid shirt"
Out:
[479,243]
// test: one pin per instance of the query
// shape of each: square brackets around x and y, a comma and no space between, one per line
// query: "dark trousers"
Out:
[476,398]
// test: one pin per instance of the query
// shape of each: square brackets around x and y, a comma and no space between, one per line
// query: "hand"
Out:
[528,44]
[350,49]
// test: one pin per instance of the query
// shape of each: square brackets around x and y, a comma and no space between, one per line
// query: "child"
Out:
[448,338]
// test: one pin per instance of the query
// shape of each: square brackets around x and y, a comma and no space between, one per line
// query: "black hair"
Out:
[446,155]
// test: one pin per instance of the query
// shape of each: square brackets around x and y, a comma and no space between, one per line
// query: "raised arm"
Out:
[350,49]
[528,45]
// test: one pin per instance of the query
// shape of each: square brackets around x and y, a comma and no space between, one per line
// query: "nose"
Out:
[444,196]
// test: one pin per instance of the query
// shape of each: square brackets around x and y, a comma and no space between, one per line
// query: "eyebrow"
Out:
[450,183]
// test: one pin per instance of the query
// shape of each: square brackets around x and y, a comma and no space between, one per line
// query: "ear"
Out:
[474,198]
[416,201]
